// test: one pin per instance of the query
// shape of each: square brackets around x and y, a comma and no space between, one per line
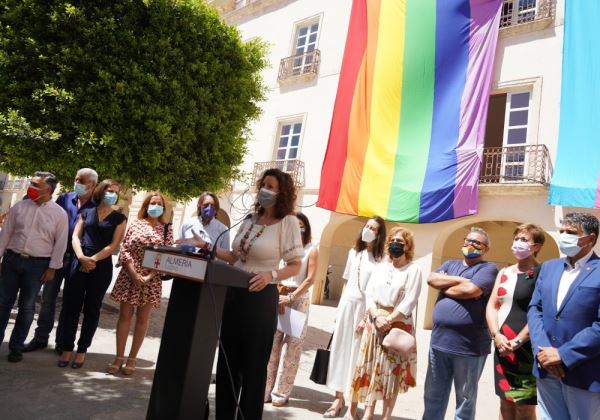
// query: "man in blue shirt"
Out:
[73,203]
[460,341]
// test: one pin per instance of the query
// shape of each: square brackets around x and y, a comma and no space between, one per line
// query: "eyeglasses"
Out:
[474,242]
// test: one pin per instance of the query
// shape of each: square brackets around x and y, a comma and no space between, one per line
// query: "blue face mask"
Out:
[154,210]
[80,189]
[208,212]
[567,242]
[110,198]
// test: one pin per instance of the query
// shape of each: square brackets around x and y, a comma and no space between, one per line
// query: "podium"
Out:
[191,330]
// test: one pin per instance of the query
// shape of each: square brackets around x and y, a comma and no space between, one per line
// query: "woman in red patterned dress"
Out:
[138,289]
[506,316]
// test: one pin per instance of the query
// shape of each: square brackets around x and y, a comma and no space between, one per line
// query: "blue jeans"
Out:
[444,368]
[559,401]
[45,321]
[20,276]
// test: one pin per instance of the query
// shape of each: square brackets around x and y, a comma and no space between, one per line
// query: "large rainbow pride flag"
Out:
[406,137]
[576,179]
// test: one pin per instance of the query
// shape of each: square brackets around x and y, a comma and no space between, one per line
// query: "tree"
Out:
[156,93]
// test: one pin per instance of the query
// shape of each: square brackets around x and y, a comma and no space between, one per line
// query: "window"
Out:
[515,134]
[289,140]
[304,46]
[515,12]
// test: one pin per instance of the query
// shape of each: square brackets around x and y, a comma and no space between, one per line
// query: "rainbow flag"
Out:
[406,137]
[576,179]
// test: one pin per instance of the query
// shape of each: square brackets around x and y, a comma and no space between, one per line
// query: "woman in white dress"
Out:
[392,298]
[287,349]
[345,346]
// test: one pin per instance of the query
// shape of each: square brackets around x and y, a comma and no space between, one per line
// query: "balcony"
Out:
[293,167]
[299,68]
[17,184]
[520,16]
[516,165]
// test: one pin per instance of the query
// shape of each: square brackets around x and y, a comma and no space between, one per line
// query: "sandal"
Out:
[116,366]
[333,412]
[127,369]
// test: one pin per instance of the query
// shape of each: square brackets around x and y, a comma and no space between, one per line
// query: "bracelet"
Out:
[290,297]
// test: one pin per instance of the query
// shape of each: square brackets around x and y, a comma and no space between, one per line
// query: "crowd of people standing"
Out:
[542,318]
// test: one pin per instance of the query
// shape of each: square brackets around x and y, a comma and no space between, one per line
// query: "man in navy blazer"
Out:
[564,324]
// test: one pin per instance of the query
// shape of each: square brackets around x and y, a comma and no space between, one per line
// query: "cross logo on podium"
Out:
[157,261]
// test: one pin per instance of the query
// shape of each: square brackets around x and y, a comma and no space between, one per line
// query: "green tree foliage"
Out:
[157,93]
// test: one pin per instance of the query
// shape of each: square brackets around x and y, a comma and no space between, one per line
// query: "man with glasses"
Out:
[73,203]
[32,244]
[564,324]
[460,341]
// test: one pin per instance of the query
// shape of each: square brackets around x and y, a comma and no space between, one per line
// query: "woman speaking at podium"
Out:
[270,235]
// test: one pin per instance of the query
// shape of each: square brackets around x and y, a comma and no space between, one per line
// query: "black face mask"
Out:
[396,249]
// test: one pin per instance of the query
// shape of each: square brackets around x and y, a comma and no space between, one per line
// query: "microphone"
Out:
[213,251]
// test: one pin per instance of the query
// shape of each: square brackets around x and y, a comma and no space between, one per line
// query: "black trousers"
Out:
[84,290]
[249,324]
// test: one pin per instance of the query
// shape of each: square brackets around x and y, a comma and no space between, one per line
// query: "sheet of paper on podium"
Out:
[291,322]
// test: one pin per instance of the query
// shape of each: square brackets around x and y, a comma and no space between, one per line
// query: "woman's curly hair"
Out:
[286,198]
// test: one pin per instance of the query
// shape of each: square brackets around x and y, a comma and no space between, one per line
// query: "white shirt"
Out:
[298,279]
[38,231]
[357,273]
[395,287]
[569,276]
[194,225]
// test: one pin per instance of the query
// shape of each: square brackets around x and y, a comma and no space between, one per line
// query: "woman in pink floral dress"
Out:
[138,289]
[392,296]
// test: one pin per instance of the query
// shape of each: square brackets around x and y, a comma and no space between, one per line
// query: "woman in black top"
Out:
[97,235]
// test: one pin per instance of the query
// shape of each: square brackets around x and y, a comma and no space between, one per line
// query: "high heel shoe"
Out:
[128,370]
[76,364]
[116,366]
[64,363]
[333,412]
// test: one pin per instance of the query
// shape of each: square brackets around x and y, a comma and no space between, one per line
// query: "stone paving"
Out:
[36,388]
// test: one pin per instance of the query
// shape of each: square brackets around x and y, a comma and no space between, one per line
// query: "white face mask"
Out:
[368,235]
[567,242]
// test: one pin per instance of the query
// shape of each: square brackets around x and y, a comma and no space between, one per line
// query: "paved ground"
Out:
[36,388]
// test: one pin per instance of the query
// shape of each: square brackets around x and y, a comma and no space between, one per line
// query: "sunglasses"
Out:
[474,242]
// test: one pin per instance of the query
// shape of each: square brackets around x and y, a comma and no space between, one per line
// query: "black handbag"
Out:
[166,277]
[319,370]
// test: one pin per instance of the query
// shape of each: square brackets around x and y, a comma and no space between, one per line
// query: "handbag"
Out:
[319,370]
[166,277]
[399,342]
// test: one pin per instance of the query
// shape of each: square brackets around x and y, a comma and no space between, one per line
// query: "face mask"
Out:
[80,189]
[567,242]
[521,250]
[266,198]
[396,249]
[33,192]
[110,198]
[208,212]
[368,235]
[154,210]
[471,252]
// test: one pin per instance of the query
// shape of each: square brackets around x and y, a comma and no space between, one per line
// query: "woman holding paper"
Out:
[293,294]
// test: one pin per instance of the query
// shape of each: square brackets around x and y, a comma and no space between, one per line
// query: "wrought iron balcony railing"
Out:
[304,66]
[520,12]
[529,164]
[293,167]
[16,184]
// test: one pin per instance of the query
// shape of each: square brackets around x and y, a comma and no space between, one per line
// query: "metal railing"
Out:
[16,184]
[293,167]
[520,12]
[516,165]
[306,64]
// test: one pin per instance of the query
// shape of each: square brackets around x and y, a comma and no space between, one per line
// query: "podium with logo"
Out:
[191,330]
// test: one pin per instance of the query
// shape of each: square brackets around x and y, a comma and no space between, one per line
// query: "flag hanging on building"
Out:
[406,136]
[576,179]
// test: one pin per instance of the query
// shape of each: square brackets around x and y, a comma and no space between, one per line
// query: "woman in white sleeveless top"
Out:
[293,292]
[345,345]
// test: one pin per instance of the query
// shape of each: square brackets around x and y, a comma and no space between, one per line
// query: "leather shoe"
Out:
[15,356]
[34,345]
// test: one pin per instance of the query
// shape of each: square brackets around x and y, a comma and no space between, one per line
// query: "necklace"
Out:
[358,273]
[390,277]
[245,250]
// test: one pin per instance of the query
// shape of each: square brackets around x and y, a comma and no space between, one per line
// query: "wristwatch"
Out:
[274,275]
[518,341]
